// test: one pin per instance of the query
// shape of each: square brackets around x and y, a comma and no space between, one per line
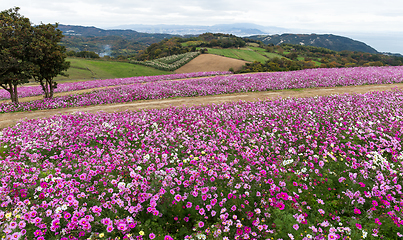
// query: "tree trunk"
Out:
[45,88]
[51,91]
[12,91]
[14,96]
[51,87]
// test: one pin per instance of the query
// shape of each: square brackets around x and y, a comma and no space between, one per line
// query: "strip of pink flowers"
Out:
[312,168]
[220,85]
[28,91]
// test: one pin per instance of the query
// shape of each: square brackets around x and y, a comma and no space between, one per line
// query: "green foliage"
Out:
[3,149]
[86,54]
[220,40]
[15,39]
[289,57]
[48,56]
[162,49]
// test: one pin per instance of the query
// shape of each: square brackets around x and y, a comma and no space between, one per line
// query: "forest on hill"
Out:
[329,41]
[298,57]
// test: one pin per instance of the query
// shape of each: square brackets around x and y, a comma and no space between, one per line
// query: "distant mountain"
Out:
[392,54]
[107,42]
[70,30]
[329,41]
[238,29]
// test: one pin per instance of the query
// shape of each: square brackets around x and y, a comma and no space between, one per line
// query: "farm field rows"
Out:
[322,167]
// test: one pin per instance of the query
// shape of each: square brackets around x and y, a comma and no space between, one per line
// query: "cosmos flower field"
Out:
[28,91]
[155,89]
[311,168]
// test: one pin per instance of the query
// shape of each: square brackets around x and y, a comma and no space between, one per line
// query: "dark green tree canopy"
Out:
[15,40]
[48,56]
[28,52]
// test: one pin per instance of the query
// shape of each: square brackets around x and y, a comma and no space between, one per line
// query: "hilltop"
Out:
[329,41]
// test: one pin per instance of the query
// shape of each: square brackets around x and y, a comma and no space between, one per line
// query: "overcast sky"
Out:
[348,17]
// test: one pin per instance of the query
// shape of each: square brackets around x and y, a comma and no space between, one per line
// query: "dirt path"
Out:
[10,119]
[211,62]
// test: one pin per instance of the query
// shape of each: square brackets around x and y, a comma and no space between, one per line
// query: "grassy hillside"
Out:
[83,69]
[249,53]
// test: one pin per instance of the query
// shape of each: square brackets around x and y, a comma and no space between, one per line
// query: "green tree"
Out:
[15,39]
[48,56]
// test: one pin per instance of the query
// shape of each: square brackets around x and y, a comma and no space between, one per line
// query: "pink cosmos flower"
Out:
[280,205]
[151,235]
[13,225]
[178,197]
[109,228]
[357,211]
[377,221]
[38,233]
[44,184]
[121,226]
[358,226]
[21,224]
[332,236]
[282,195]
[106,221]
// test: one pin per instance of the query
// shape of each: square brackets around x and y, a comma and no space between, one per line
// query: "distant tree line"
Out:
[83,54]
[165,48]
[298,57]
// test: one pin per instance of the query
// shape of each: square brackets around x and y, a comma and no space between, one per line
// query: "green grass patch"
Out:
[251,56]
[224,52]
[85,69]
[258,49]
[272,55]
[253,44]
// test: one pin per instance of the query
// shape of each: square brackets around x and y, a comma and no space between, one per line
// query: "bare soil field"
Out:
[10,119]
[211,62]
